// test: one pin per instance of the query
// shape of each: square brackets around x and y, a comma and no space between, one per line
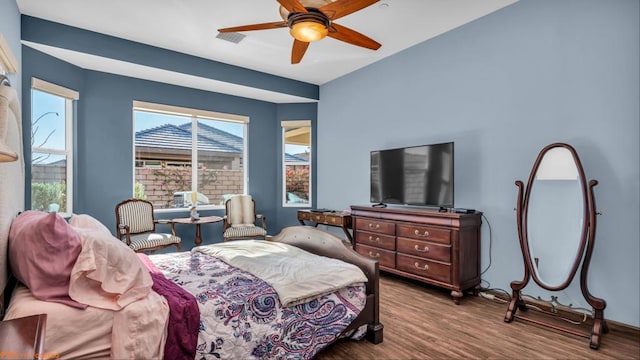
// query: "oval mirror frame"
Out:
[544,170]
[584,195]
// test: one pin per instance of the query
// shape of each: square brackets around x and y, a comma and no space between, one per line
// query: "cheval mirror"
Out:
[556,221]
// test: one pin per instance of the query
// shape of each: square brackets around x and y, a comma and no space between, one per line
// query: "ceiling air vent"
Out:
[233,37]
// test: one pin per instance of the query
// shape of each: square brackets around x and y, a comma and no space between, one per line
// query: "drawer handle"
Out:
[372,227]
[377,239]
[377,255]
[425,267]
[426,248]
[425,234]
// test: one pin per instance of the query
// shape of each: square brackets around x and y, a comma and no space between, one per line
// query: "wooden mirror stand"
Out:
[531,245]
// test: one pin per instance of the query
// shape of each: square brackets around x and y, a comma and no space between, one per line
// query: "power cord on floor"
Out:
[489,294]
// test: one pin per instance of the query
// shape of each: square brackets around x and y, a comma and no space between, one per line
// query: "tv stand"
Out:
[438,248]
[379,205]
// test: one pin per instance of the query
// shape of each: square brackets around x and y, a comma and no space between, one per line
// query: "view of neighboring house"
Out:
[170,145]
[164,153]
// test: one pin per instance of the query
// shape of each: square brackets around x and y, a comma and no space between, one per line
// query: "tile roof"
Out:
[179,137]
[209,139]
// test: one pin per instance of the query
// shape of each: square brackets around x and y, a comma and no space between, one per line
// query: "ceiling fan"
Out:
[312,20]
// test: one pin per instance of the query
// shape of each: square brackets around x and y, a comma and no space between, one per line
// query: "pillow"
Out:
[107,273]
[42,250]
[88,222]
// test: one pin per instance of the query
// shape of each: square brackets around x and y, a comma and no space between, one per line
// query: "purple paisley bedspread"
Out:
[241,316]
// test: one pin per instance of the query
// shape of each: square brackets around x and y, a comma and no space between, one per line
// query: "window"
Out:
[187,156]
[52,147]
[296,158]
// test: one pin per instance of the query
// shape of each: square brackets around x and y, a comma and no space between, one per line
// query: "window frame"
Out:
[287,124]
[194,115]
[69,97]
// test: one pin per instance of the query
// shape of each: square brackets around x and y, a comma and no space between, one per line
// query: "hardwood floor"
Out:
[422,322]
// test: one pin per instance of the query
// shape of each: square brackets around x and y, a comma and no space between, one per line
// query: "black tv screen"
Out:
[417,175]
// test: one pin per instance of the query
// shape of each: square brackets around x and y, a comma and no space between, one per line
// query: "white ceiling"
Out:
[190,27]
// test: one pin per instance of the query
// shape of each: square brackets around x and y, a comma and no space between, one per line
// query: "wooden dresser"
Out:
[439,248]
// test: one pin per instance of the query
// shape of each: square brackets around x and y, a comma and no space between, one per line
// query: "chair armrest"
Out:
[225,223]
[263,219]
[126,233]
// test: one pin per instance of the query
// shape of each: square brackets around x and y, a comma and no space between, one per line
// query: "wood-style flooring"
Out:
[422,322]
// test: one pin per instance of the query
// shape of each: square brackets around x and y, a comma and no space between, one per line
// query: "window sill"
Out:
[186,209]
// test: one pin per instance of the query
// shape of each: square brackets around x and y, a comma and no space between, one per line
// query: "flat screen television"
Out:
[417,175]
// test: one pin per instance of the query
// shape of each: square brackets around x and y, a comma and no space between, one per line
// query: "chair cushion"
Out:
[246,231]
[151,240]
[241,211]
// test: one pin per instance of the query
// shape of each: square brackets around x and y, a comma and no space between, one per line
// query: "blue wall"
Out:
[502,88]
[104,126]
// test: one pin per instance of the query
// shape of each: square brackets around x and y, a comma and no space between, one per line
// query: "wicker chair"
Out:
[240,219]
[136,226]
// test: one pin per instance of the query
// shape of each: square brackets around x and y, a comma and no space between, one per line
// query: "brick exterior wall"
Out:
[160,184]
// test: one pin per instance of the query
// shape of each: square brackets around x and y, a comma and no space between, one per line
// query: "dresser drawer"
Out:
[324,218]
[424,249]
[385,257]
[382,227]
[378,240]
[424,233]
[424,267]
[337,220]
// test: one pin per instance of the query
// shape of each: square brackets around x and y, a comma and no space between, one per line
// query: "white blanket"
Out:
[296,275]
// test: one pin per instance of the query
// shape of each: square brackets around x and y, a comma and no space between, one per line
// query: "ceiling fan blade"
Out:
[340,8]
[264,26]
[293,6]
[299,48]
[353,37]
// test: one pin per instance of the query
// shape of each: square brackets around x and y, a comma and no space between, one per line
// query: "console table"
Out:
[330,218]
[439,248]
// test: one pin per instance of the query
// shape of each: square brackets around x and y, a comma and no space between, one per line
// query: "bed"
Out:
[116,303]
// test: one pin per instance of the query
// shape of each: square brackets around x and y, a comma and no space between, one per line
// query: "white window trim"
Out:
[188,112]
[54,89]
[69,96]
[285,124]
[194,114]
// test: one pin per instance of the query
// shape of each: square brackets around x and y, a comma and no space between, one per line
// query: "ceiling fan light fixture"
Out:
[308,27]
[308,31]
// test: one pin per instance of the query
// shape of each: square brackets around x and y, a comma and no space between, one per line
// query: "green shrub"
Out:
[44,194]
[139,191]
